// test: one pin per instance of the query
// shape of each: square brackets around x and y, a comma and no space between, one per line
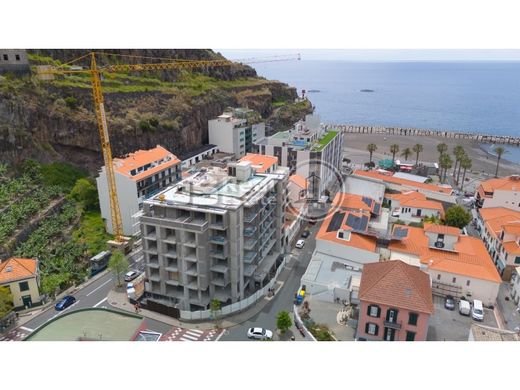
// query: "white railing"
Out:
[234,307]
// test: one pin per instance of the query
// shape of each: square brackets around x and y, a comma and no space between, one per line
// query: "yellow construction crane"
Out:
[95,72]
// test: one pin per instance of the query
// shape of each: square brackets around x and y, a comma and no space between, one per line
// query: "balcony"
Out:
[192,271]
[222,280]
[171,268]
[250,256]
[172,282]
[218,239]
[153,265]
[250,217]
[191,243]
[190,257]
[220,268]
[171,253]
[393,325]
[248,232]
[170,239]
[154,276]
[186,223]
[250,243]
[218,254]
[151,236]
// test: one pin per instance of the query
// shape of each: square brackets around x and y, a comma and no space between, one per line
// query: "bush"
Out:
[283,321]
[71,102]
[61,174]
[86,194]
[321,332]
[416,224]
[457,216]
[145,126]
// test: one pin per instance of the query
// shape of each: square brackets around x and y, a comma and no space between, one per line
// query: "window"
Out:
[372,329]
[24,286]
[467,282]
[517,260]
[410,336]
[440,237]
[6,57]
[412,319]
[17,56]
[340,234]
[374,311]
[438,276]
[454,280]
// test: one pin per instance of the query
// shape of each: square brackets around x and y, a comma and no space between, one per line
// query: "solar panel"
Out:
[357,223]
[367,201]
[335,222]
[400,232]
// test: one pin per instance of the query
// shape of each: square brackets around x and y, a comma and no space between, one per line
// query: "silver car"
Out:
[259,334]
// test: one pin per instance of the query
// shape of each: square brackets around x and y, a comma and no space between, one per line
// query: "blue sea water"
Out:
[481,97]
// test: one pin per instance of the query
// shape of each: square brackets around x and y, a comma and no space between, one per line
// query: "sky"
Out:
[380,55]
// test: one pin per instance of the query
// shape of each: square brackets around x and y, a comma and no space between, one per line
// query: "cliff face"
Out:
[54,121]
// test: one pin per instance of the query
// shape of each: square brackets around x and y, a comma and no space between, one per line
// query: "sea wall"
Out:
[495,139]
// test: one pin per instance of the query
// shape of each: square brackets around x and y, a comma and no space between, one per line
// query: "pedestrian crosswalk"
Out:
[15,335]
[183,334]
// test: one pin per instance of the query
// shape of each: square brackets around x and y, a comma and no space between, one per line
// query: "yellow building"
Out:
[22,278]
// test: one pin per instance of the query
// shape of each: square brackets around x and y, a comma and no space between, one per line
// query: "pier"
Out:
[414,132]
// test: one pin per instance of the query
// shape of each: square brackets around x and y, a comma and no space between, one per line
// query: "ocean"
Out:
[482,97]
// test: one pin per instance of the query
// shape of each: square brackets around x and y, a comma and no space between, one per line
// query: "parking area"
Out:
[449,325]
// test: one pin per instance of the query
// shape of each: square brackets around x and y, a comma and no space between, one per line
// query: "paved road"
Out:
[285,296]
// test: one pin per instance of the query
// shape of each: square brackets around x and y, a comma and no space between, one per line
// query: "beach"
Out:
[484,164]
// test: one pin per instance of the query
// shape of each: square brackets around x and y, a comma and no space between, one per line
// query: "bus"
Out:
[99,262]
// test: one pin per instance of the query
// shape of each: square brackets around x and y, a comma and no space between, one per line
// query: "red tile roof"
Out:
[260,162]
[397,284]
[441,229]
[299,181]
[353,202]
[509,183]
[496,217]
[16,269]
[141,158]
[411,183]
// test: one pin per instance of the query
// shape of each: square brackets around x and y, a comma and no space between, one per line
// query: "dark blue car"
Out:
[65,302]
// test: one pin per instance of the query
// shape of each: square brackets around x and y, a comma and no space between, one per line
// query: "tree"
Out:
[85,192]
[118,264]
[371,149]
[406,153]
[394,149]
[283,321]
[51,284]
[457,216]
[214,308]
[458,152]
[6,301]
[499,151]
[417,148]
[445,163]
[465,163]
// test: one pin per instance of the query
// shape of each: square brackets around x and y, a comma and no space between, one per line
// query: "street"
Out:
[284,298]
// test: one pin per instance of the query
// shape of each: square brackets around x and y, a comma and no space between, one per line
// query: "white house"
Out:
[412,206]
[499,192]
[138,176]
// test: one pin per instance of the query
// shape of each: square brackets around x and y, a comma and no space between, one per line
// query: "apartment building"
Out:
[499,192]
[14,60]
[138,176]
[413,206]
[218,234]
[499,228]
[395,302]
[458,265]
[309,150]
[236,131]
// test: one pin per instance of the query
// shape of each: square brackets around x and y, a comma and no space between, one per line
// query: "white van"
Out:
[477,312]
[464,307]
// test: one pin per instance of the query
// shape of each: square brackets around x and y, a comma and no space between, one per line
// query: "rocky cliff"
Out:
[54,120]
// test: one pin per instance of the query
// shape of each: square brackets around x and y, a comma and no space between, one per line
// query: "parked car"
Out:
[300,244]
[65,302]
[449,303]
[259,334]
[464,307]
[131,275]
[306,233]
[477,311]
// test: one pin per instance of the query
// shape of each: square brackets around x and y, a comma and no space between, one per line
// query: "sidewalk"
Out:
[120,301]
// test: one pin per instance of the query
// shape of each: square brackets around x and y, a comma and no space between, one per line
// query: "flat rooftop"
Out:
[214,188]
[89,324]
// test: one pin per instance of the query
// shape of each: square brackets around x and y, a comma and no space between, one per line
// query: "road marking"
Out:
[183,339]
[220,335]
[191,337]
[100,302]
[194,332]
[93,291]
[27,329]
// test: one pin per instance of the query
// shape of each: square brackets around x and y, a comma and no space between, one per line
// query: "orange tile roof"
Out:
[511,247]
[470,257]
[406,195]
[512,228]
[398,284]
[260,162]
[411,183]
[141,158]
[356,240]
[496,217]
[299,181]
[509,183]
[352,202]
[441,229]
[16,269]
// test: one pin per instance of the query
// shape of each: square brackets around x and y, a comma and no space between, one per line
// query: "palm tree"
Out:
[445,163]
[463,154]
[465,163]
[441,148]
[499,151]
[458,151]
[406,153]
[394,149]
[371,149]
[417,148]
